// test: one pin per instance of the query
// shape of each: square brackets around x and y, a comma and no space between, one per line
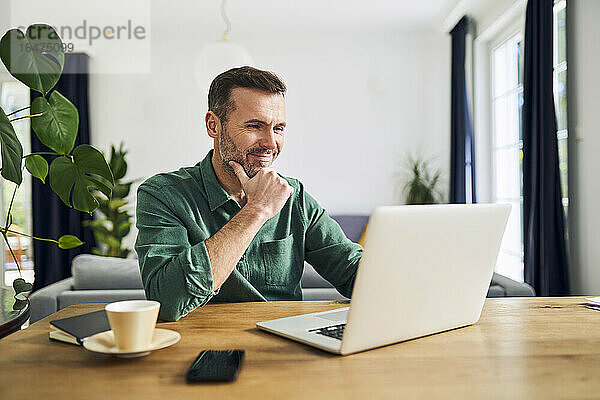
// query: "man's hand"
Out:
[266,192]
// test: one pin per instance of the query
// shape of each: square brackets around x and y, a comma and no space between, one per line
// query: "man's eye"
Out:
[254,126]
[279,128]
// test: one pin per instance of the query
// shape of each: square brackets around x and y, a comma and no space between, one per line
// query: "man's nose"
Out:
[268,139]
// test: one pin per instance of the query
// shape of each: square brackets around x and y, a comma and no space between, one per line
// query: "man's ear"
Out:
[213,124]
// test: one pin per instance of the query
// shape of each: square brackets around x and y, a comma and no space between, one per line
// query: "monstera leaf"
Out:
[11,151]
[36,57]
[58,124]
[86,170]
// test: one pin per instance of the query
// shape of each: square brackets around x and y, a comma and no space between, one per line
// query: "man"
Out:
[230,228]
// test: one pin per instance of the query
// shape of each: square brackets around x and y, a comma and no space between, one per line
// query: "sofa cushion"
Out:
[97,272]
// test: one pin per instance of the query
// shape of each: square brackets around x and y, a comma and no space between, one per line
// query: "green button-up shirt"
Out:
[178,211]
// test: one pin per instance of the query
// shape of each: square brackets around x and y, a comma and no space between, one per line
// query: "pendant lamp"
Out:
[219,56]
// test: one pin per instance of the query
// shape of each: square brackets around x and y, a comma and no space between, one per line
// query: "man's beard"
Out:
[230,152]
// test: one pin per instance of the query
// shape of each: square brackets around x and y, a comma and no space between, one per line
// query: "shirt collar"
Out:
[217,196]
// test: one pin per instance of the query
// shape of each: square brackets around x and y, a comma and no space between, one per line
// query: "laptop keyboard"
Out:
[333,331]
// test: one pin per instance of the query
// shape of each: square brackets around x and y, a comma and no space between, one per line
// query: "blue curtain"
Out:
[462,150]
[51,217]
[546,264]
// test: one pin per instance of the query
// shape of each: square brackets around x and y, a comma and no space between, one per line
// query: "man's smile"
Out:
[262,157]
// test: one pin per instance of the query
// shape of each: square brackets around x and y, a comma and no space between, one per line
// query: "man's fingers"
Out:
[239,172]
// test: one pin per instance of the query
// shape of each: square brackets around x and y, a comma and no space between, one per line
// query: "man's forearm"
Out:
[265,195]
[226,246]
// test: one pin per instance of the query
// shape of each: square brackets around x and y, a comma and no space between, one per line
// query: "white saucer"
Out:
[104,343]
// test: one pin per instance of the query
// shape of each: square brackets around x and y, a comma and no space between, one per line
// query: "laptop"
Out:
[424,270]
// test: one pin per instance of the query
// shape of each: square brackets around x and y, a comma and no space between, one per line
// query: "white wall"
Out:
[584,144]
[484,12]
[357,104]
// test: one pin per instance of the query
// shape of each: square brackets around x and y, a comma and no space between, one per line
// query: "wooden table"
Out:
[521,348]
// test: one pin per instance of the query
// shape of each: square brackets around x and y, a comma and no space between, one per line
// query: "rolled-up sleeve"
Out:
[174,272]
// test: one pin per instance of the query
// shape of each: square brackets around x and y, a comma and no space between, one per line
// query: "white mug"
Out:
[132,323]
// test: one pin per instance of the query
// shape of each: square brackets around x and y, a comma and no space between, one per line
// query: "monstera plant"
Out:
[36,58]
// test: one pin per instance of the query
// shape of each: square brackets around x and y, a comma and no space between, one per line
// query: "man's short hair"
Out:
[219,94]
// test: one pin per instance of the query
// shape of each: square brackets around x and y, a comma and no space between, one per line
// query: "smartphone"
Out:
[216,366]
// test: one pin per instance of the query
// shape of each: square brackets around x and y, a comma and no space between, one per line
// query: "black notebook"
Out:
[76,329]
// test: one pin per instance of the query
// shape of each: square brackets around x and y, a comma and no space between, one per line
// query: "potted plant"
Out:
[113,222]
[422,186]
[36,58]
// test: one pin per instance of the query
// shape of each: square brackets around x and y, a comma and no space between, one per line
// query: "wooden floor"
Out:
[520,349]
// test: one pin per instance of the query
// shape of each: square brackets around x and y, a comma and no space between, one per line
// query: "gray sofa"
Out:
[98,279]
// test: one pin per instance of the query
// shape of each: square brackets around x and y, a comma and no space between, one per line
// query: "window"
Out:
[507,134]
[507,149]
[13,96]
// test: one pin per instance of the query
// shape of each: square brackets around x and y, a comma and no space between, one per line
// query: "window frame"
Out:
[557,68]
[512,34]
[511,23]
[4,77]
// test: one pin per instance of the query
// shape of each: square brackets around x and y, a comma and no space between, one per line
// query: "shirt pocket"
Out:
[278,258]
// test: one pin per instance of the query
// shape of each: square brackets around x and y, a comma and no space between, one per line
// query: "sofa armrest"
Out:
[44,301]
[511,287]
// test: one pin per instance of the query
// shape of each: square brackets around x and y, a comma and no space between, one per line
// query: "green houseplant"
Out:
[114,222]
[422,186]
[36,58]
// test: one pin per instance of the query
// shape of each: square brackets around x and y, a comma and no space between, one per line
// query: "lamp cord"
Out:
[225,19]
